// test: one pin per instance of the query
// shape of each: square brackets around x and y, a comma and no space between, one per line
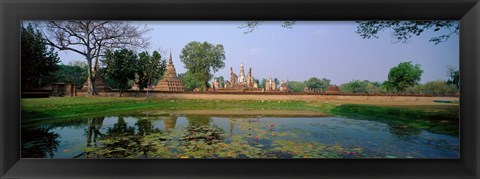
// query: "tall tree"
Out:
[404,30]
[402,76]
[454,75]
[121,67]
[316,84]
[91,39]
[149,67]
[221,80]
[191,81]
[297,86]
[38,61]
[263,83]
[202,60]
[357,86]
[71,74]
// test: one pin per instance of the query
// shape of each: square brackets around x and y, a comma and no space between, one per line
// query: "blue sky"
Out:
[322,49]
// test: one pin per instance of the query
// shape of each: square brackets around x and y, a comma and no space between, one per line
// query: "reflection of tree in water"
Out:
[145,127]
[93,130]
[120,129]
[199,129]
[199,120]
[39,142]
[121,141]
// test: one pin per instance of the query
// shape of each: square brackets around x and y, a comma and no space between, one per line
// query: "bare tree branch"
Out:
[94,37]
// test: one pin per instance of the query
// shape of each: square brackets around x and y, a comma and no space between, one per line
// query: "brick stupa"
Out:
[170,82]
[100,84]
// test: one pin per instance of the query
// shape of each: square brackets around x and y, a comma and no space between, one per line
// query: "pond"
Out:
[142,135]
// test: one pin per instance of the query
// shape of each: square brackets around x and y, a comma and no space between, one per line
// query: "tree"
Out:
[454,75]
[402,76]
[440,88]
[263,83]
[404,30]
[316,84]
[121,67]
[38,61]
[149,68]
[354,86]
[202,60]
[277,83]
[190,81]
[71,74]
[357,86]
[297,86]
[221,80]
[251,26]
[92,39]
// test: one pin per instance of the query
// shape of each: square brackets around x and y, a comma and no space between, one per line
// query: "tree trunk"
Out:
[91,90]
[148,85]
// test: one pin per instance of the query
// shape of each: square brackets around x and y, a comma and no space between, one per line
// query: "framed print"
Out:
[247,89]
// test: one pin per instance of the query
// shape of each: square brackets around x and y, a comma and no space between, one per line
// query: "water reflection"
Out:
[169,123]
[93,130]
[39,142]
[203,136]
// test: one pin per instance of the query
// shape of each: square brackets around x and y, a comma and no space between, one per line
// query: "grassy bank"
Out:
[52,108]
[440,118]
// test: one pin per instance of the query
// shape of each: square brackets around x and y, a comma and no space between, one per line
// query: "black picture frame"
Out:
[13,12]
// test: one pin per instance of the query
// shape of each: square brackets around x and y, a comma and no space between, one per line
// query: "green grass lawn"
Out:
[444,120]
[51,108]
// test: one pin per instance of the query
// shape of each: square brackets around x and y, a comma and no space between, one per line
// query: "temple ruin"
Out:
[270,85]
[170,82]
[100,83]
[238,83]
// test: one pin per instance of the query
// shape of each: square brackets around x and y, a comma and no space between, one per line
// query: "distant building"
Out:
[284,87]
[170,82]
[238,83]
[100,84]
[270,85]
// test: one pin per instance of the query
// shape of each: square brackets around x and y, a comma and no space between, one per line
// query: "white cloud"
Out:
[256,50]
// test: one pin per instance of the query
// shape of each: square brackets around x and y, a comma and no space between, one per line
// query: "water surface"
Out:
[206,136]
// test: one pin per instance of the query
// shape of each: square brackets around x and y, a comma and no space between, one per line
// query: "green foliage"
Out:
[402,76]
[221,80]
[315,84]
[433,88]
[92,39]
[404,30]
[357,86]
[121,67]
[263,83]
[191,81]
[145,127]
[150,68]
[38,61]
[297,86]
[71,74]
[454,77]
[202,60]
